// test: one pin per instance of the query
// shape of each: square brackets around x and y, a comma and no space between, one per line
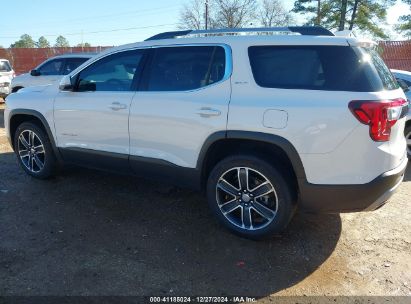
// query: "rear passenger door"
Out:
[183,98]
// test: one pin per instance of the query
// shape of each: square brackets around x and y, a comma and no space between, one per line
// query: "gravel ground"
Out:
[93,233]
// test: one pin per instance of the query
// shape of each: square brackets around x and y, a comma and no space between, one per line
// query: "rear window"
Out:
[5,66]
[330,68]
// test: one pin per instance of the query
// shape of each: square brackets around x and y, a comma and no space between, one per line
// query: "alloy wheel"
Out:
[246,198]
[31,151]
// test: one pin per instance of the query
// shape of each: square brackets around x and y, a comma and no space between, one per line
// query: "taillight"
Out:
[379,115]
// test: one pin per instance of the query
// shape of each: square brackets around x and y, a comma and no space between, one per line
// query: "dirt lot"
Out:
[93,233]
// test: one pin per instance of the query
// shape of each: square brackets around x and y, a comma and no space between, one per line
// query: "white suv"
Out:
[6,75]
[405,77]
[51,70]
[262,123]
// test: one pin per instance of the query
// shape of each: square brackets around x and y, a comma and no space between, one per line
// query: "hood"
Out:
[21,76]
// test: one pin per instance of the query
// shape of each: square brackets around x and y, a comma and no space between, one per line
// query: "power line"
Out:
[134,12]
[97,32]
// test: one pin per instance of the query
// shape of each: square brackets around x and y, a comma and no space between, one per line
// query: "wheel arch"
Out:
[222,144]
[16,88]
[19,116]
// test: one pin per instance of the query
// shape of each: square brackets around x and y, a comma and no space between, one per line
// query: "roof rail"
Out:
[303,30]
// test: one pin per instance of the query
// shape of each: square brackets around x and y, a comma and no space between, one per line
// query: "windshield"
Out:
[4,66]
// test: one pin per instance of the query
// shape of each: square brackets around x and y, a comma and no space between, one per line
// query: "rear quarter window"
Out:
[330,68]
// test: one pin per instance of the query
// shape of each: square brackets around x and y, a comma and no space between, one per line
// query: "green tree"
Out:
[315,8]
[61,42]
[369,15]
[25,41]
[405,26]
[363,15]
[43,42]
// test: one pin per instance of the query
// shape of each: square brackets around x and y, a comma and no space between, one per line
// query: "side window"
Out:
[287,67]
[71,64]
[320,67]
[407,82]
[52,67]
[112,73]
[186,68]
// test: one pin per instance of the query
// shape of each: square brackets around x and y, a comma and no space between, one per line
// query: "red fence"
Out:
[24,60]
[396,54]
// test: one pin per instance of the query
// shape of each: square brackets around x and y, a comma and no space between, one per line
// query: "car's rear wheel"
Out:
[408,139]
[250,197]
[34,151]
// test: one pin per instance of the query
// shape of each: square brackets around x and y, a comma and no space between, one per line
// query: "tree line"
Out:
[365,16]
[26,41]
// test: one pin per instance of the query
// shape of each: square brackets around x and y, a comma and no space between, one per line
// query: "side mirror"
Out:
[66,84]
[87,87]
[403,85]
[35,73]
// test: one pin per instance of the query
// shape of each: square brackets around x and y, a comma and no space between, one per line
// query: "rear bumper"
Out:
[351,198]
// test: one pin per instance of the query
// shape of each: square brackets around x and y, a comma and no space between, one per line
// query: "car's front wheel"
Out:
[34,151]
[250,197]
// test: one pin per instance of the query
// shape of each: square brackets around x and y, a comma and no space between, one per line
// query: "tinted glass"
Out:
[407,82]
[333,68]
[386,77]
[52,67]
[71,64]
[5,66]
[186,68]
[112,73]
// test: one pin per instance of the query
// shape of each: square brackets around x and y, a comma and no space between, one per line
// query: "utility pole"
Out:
[206,14]
[82,41]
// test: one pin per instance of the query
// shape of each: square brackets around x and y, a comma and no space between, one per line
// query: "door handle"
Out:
[208,112]
[116,106]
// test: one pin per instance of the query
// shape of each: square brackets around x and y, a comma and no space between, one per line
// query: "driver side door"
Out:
[92,120]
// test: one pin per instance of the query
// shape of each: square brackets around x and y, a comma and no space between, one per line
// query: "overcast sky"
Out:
[105,22]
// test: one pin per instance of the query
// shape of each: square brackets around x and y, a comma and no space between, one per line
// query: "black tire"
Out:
[407,134]
[16,89]
[47,157]
[285,204]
